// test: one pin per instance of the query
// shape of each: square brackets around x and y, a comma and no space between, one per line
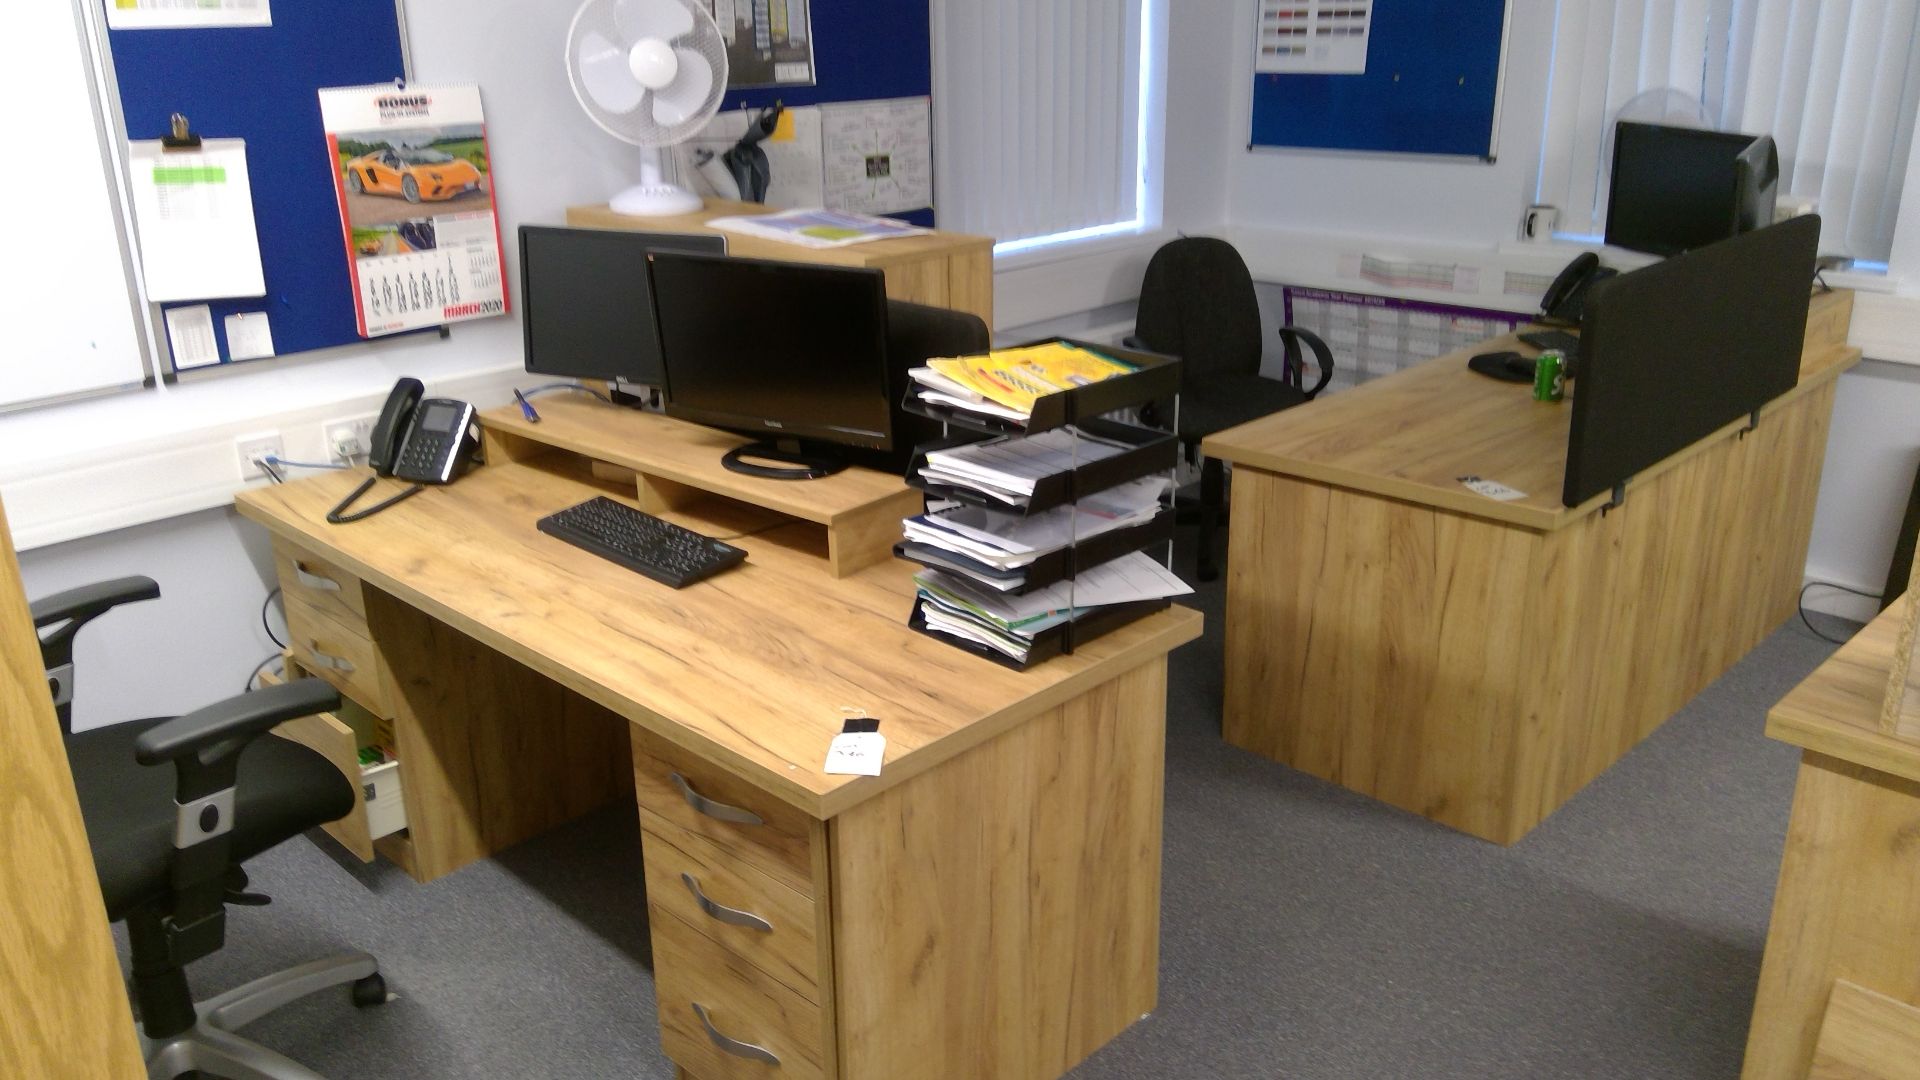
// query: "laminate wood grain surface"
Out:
[1847,907]
[750,669]
[1836,710]
[1412,435]
[1866,1036]
[999,916]
[64,1009]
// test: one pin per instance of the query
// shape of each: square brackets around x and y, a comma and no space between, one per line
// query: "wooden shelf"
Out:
[676,464]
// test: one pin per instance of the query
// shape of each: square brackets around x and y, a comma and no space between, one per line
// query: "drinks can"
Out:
[1550,376]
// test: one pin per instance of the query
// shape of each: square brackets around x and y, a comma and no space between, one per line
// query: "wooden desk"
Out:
[1847,910]
[939,269]
[1476,661]
[988,906]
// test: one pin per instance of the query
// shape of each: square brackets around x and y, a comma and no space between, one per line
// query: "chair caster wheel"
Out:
[370,991]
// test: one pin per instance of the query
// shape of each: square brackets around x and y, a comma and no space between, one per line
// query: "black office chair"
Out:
[1198,303]
[167,848]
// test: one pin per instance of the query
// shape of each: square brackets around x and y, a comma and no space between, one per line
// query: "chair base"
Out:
[211,1046]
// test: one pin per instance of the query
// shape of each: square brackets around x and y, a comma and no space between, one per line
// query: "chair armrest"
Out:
[88,601]
[1292,337]
[210,739]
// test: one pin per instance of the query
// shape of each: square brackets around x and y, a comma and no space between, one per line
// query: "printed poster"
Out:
[176,14]
[878,155]
[415,188]
[769,42]
[1327,37]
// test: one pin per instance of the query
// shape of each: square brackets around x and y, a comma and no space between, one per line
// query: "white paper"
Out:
[859,753]
[1492,489]
[793,156]
[1327,37]
[194,213]
[249,336]
[190,337]
[415,185]
[171,14]
[769,42]
[878,155]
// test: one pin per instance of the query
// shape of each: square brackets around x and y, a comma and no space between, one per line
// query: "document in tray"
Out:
[1008,469]
[1007,541]
[1125,580]
[1015,378]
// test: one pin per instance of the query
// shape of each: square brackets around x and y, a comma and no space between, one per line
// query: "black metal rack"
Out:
[1152,450]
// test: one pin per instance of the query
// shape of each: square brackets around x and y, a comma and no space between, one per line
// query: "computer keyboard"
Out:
[641,542]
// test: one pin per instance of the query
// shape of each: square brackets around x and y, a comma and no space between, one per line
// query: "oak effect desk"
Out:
[1478,661]
[987,906]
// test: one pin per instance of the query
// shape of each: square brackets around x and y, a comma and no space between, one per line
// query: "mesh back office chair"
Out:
[1198,303]
[916,332]
[168,847]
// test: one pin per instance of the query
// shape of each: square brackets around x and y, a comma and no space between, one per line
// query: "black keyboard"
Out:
[1569,344]
[641,542]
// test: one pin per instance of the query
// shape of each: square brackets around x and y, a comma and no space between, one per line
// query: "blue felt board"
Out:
[861,51]
[262,84]
[1410,100]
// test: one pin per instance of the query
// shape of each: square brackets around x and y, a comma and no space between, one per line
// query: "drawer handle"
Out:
[717,810]
[733,1046]
[329,661]
[312,580]
[721,911]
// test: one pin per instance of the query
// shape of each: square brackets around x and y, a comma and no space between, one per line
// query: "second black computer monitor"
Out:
[1675,189]
[586,309]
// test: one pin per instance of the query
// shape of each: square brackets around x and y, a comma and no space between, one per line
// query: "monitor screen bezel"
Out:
[647,242]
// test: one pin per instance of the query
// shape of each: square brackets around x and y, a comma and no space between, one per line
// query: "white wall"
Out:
[1872,452]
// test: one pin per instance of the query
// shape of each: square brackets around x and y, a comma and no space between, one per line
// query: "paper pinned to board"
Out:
[793,157]
[878,155]
[190,337]
[249,335]
[176,14]
[193,210]
[1326,37]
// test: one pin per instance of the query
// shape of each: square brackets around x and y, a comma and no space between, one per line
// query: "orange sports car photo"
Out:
[411,173]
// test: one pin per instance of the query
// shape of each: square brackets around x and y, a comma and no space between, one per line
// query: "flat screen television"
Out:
[1673,352]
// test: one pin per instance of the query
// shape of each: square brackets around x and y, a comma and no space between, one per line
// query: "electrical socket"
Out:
[249,449]
[349,436]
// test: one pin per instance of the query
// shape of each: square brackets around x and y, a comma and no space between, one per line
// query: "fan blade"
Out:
[604,74]
[680,99]
[663,19]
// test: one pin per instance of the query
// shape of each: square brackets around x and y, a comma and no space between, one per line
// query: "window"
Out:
[1043,115]
[1834,82]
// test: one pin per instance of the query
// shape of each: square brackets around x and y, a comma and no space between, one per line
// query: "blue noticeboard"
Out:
[1431,86]
[861,51]
[261,84]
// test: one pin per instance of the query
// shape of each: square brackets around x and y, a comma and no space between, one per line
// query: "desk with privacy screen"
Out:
[1478,661]
[987,906]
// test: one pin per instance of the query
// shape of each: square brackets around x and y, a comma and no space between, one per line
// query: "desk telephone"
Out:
[424,441]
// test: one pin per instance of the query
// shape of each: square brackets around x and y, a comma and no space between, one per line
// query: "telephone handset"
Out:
[1566,298]
[424,441]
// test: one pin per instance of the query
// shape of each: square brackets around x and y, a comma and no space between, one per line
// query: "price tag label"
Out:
[858,750]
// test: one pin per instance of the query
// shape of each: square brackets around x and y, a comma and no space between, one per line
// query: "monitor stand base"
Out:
[796,464]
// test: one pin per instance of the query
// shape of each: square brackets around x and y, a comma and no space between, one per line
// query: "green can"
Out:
[1550,376]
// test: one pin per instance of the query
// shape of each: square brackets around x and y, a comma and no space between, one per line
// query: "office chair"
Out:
[915,334]
[1197,303]
[167,848]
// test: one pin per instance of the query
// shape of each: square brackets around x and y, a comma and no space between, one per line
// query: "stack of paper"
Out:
[1004,384]
[1006,470]
[961,608]
[994,549]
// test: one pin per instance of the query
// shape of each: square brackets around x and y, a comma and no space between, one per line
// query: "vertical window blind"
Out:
[1835,82]
[1037,116]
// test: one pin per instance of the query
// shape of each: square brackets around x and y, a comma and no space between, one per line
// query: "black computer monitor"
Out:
[1673,352]
[585,308]
[793,352]
[1675,189]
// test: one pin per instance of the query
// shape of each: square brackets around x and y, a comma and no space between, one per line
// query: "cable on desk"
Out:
[1802,605]
[264,624]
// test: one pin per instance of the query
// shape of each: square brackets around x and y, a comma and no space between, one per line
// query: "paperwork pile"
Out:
[1006,470]
[1004,384]
[962,608]
[995,549]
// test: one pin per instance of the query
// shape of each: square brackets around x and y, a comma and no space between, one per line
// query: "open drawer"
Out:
[379,804]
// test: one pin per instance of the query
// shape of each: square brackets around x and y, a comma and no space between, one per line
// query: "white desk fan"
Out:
[652,73]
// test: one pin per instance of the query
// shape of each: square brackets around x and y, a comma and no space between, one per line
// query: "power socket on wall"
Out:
[249,449]
[348,437]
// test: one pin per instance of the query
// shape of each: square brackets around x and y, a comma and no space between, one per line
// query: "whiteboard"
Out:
[72,325]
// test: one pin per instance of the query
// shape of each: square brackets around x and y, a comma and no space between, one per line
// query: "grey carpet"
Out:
[1307,931]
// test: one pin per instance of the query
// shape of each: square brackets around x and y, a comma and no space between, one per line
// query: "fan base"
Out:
[655,200]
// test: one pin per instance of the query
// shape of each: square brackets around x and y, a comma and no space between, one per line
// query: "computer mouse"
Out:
[1505,366]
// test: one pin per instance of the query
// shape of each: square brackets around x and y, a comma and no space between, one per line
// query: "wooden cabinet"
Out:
[940,269]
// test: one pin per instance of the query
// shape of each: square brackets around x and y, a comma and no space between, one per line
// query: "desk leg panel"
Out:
[1847,907]
[1000,915]
[1379,645]
[491,752]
